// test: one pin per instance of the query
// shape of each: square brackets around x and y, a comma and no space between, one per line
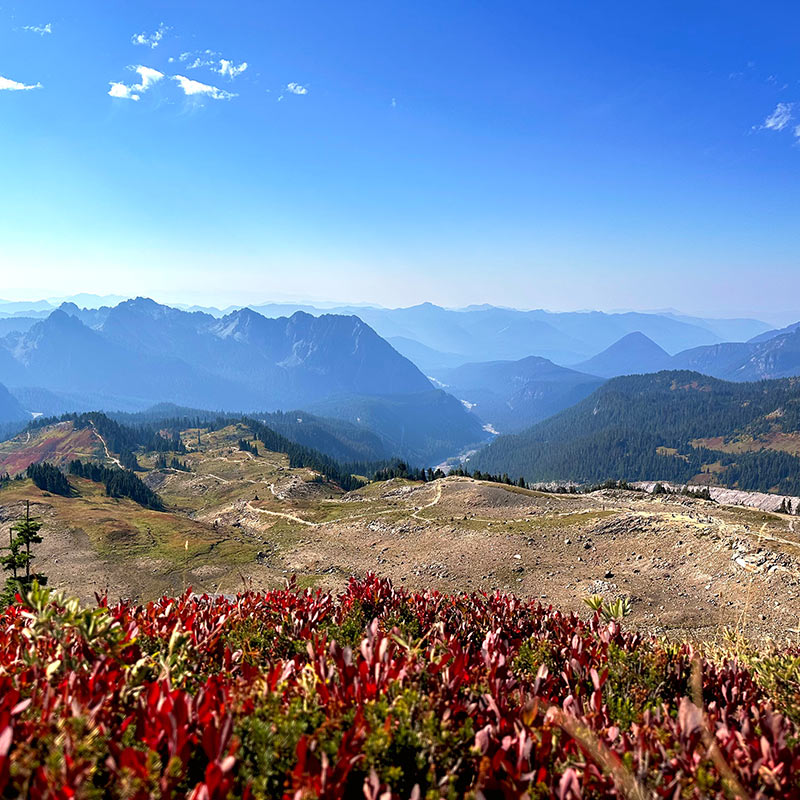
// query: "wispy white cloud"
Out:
[213,60]
[40,29]
[197,59]
[230,70]
[6,84]
[196,89]
[147,77]
[150,40]
[780,117]
[296,88]
[394,102]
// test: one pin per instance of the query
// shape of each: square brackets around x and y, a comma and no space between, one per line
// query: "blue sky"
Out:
[560,155]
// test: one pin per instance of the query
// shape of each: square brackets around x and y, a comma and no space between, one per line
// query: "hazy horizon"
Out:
[96,300]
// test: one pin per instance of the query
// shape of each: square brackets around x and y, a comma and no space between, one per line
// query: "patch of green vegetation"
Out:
[577,518]
[372,490]
[526,527]
[778,674]
[534,654]
[510,487]
[258,640]
[406,622]
[350,630]
[408,741]
[283,533]
[307,581]
[405,742]
[639,679]
[269,736]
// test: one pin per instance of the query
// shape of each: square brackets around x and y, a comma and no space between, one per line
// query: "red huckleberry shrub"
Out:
[379,693]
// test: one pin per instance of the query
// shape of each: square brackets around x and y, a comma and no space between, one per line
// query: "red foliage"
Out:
[482,695]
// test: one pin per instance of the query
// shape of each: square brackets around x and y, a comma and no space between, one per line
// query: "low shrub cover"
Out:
[376,693]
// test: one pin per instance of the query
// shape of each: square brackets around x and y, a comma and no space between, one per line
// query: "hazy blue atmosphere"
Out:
[526,154]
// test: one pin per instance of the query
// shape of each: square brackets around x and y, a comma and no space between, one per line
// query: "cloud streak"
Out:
[199,90]
[296,88]
[6,84]
[195,60]
[147,75]
[151,40]
[780,117]
[40,29]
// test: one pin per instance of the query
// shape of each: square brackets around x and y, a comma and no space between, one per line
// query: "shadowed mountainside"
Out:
[510,395]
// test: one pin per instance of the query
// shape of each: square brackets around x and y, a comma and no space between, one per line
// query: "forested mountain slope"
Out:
[661,427]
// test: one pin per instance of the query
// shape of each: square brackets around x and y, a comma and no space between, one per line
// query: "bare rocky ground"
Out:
[692,568]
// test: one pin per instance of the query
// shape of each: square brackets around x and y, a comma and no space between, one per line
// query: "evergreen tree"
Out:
[248,447]
[128,460]
[19,559]
[49,478]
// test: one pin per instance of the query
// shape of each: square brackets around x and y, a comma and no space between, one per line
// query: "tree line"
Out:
[118,483]
[174,463]
[160,437]
[306,457]
[400,469]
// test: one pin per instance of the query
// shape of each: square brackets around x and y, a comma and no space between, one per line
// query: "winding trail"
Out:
[105,447]
[283,514]
[433,502]
[216,477]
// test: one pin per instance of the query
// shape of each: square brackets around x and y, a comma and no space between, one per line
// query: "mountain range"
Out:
[489,333]
[776,355]
[140,352]
[433,336]
[510,395]
[428,381]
